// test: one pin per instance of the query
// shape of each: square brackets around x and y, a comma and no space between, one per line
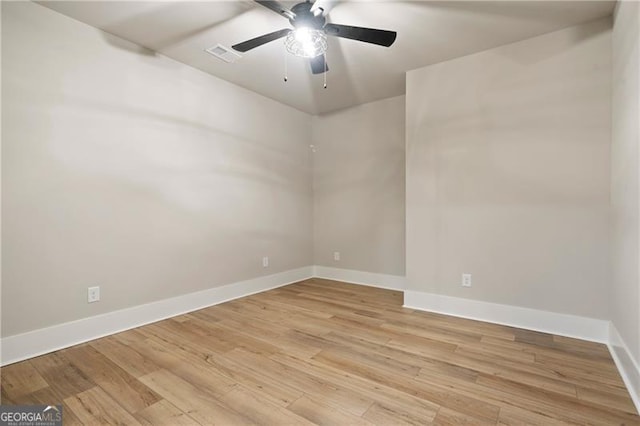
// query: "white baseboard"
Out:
[38,342]
[391,282]
[594,330]
[627,365]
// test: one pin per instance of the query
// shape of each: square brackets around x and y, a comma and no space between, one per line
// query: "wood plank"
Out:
[131,336]
[393,400]
[370,353]
[163,413]
[318,413]
[556,364]
[514,416]
[191,367]
[606,399]
[191,335]
[284,340]
[514,402]
[124,356]
[444,397]
[21,378]
[61,375]
[96,407]
[400,330]
[47,396]
[410,361]
[390,413]
[329,392]
[115,381]
[517,371]
[555,354]
[261,410]
[563,407]
[448,417]
[202,405]
[212,369]
[278,391]
[496,352]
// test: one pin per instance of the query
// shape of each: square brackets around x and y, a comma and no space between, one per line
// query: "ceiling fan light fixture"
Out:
[308,39]
[306,42]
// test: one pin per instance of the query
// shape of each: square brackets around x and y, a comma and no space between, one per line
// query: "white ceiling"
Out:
[428,32]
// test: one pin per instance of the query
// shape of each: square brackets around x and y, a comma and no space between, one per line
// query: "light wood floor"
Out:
[326,353]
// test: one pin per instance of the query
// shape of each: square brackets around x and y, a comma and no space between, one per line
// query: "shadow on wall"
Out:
[574,36]
[172,24]
[181,158]
[122,44]
[490,147]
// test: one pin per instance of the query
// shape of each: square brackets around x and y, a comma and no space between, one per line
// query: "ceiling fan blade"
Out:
[368,35]
[277,7]
[259,41]
[318,64]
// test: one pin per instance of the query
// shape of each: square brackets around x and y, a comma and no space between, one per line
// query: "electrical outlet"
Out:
[466,280]
[93,294]
[336,256]
[265,261]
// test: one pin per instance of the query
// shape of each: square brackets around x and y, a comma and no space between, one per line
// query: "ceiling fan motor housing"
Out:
[304,17]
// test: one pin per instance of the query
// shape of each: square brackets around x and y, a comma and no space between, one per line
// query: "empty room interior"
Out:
[329,212]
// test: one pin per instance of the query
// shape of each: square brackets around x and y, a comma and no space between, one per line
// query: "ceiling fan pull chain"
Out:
[286,78]
[324,64]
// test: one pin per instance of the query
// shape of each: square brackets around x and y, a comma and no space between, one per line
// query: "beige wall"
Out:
[508,173]
[625,288]
[358,179]
[151,179]
[136,173]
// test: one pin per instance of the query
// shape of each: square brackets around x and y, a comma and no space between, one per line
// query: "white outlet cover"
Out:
[336,255]
[265,261]
[466,280]
[93,294]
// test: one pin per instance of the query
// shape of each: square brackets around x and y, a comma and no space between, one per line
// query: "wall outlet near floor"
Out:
[336,255]
[466,280]
[93,294]
[265,261]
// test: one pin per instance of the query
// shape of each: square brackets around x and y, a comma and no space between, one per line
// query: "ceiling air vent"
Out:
[224,53]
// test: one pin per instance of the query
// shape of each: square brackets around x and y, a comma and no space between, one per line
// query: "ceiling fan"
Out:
[308,38]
